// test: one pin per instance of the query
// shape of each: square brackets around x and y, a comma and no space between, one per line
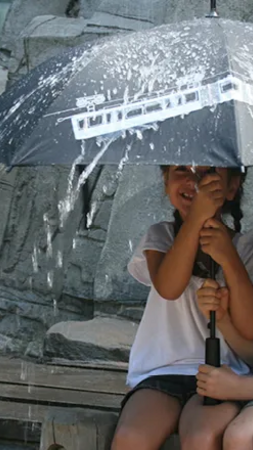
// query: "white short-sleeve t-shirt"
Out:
[171,335]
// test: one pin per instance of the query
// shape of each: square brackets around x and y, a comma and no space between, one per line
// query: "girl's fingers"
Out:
[213,223]
[201,384]
[218,193]
[204,240]
[210,181]
[219,202]
[207,292]
[208,301]
[206,232]
[210,283]
[202,377]
[201,392]
[223,292]
[205,309]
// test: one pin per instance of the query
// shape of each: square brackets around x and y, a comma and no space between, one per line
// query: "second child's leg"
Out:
[239,433]
[203,426]
[148,417]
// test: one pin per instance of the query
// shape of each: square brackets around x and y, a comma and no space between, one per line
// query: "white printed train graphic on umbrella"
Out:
[102,117]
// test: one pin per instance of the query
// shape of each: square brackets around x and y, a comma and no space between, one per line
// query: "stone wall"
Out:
[49,271]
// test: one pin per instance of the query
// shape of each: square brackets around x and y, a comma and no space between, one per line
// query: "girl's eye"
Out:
[181,169]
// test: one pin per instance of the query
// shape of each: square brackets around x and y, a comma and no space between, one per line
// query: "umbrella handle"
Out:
[213,359]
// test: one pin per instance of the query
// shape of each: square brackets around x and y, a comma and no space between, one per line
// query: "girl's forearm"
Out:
[241,295]
[242,347]
[175,271]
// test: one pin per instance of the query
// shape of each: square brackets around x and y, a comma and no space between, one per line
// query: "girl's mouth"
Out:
[186,196]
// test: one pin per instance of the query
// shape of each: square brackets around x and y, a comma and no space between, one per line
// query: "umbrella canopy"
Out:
[176,94]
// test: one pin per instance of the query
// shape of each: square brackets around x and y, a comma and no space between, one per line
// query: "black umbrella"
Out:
[176,94]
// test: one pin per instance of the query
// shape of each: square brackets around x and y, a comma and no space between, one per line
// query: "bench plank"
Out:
[81,379]
[60,397]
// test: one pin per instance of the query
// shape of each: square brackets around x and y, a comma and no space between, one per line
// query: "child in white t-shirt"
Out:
[173,259]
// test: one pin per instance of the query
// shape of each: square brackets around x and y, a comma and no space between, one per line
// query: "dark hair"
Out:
[232,207]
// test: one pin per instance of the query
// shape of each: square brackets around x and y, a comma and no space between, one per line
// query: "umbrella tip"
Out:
[213,10]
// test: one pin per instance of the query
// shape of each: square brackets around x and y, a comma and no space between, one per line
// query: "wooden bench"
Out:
[55,406]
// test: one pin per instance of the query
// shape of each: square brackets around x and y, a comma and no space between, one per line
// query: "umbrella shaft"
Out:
[212,313]
[213,5]
[212,324]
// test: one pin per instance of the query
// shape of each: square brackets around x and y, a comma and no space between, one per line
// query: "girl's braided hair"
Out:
[232,207]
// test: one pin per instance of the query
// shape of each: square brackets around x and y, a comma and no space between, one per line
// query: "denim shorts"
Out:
[182,387]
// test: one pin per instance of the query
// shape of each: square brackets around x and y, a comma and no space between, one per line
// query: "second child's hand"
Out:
[219,383]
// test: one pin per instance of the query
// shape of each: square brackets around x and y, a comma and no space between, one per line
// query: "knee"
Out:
[237,438]
[129,439]
[198,439]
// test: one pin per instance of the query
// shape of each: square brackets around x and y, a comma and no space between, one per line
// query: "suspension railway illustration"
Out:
[101,117]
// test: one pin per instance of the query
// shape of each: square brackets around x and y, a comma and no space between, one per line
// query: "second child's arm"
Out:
[242,347]
[216,242]
[211,297]
[222,383]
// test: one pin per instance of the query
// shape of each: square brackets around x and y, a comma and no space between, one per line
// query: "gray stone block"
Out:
[103,338]
[88,7]
[46,36]
[22,12]
[146,12]
[113,23]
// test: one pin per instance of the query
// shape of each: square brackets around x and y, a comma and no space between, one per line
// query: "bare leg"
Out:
[203,426]
[239,433]
[147,419]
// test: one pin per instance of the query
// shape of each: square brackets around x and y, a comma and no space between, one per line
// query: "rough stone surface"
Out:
[103,338]
[25,317]
[88,8]
[139,201]
[22,12]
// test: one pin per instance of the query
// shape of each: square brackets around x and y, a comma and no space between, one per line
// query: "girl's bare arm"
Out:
[170,272]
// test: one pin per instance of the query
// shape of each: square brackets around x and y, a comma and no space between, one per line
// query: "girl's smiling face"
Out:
[181,185]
